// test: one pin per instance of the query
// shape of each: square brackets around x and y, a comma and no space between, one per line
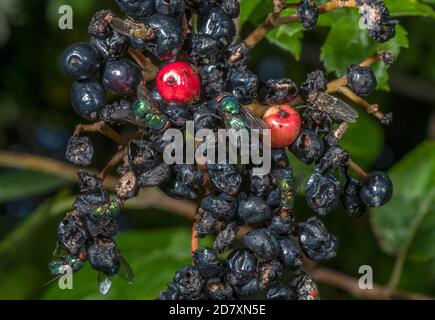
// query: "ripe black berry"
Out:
[212,80]
[376,190]
[316,242]
[230,7]
[88,98]
[177,113]
[361,80]
[137,9]
[214,22]
[80,61]
[290,254]
[279,292]
[322,192]
[242,266]
[207,262]
[121,77]
[281,226]
[72,234]
[307,14]
[308,147]
[203,49]
[80,151]
[222,207]
[168,37]
[350,198]
[168,7]
[225,178]
[253,210]
[189,282]
[244,85]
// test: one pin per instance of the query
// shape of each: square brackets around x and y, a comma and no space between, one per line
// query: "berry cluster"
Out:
[204,77]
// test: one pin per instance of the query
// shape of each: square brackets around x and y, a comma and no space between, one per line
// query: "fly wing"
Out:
[336,108]
[122,26]
[145,95]
[125,271]
[252,120]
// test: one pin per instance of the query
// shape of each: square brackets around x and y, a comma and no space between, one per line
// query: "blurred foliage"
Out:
[35,117]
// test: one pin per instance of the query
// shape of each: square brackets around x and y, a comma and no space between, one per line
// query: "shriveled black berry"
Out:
[214,22]
[168,7]
[71,233]
[377,189]
[238,55]
[247,289]
[279,158]
[225,178]
[179,190]
[307,14]
[121,77]
[269,272]
[316,242]
[290,254]
[212,80]
[230,7]
[322,192]
[334,158]
[100,24]
[156,176]
[87,203]
[259,184]
[316,82]
[80,61]
[137,9]
[308,147]
[376,18]
[111,47]
[279,292]
[189,282]
[281,225]
[222,206]
[104,256]
[350,198]
[244,85]
[127,186]
[278,91]
[88,98]
[242,266]
[88,182]
[219,290]
[105,226]
[203,49]
[207,262]
[226,237]
[253,210]
[304,287]
[262,243]
[141,156]
[80,151]
[361,80]
[168,37]
[205,224]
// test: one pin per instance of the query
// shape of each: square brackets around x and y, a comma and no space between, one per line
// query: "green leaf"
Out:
[409,218]
[254,11]
[399,8]
[23,184]
[154,257]
[348,44]
[288,37]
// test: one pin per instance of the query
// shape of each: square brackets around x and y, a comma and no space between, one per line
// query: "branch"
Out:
[112,163]
[273,19]
[102,128]
[150,70]
[154,198]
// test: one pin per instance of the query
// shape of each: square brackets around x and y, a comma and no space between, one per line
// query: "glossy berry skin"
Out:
[207,262]
[290,254]
[361,80]
[178,82]
[121,77]
[308,147]
[241,265]
[104,256]
[322,192]
[284,123]
[88,98]
[214,22]
[253,210]
[212,80]
[307,14]
[262,243]
[316,242]
[168,7]
[244,85]
[230,7]
[202,49]
[137,9]
[376,190]
[80,61]
[350,198]
[169,38]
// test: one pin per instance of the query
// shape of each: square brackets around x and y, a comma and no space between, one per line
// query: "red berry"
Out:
[178,82]
[285,124]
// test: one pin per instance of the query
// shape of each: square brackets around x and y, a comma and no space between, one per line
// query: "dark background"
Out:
[36,117]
